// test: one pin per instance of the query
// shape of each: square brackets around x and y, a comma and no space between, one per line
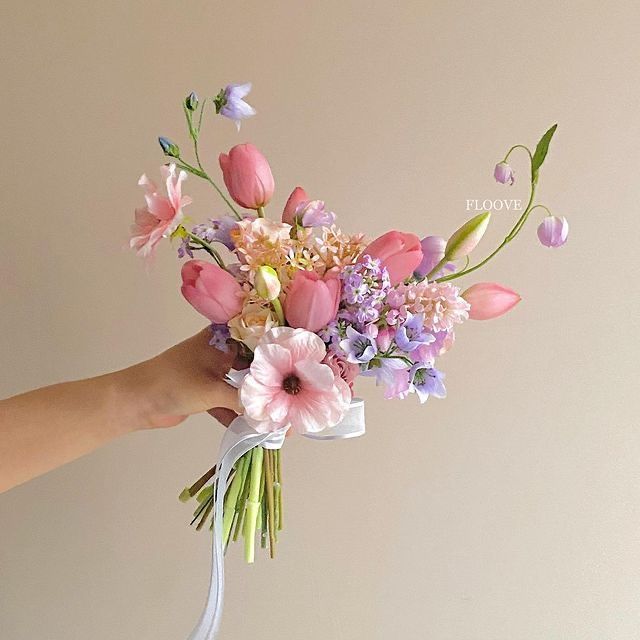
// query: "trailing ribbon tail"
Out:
[238,439]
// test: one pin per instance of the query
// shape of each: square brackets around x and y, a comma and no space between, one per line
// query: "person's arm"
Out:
[45,428]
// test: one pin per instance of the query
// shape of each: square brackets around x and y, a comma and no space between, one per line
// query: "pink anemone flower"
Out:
[162,214]
[288,386]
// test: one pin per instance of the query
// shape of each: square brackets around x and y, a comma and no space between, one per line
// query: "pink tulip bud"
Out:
[267,283]
[489,300]
[312,301]
[504,174]
[297,197]
[211,291]
[553,231]
[467,237]
[247,176]
[399,252]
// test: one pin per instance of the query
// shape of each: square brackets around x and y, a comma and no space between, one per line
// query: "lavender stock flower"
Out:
[219,336]
[314,214]
[364,287]
[217,230]
[230,103]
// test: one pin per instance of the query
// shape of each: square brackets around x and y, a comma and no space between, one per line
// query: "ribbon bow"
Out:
[238,439]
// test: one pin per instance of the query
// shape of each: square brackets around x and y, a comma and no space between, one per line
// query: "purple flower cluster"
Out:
[219,335]
[364,288]
[398,355]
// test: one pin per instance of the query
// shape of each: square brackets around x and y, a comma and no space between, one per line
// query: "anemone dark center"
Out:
[291,384]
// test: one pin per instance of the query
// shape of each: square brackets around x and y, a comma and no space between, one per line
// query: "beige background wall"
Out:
[509,511]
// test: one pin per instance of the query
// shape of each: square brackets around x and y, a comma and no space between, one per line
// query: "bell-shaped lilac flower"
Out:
[358,347]
[411,334]
[503,173]
[314,214]
[553,231]
[230,103]
[427,381]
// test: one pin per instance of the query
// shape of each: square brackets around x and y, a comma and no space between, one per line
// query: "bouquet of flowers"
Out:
[309,308]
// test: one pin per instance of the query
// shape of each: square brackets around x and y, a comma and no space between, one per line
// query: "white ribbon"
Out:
[238,439]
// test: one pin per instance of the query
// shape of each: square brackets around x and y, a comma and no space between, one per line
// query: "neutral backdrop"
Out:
[508,511]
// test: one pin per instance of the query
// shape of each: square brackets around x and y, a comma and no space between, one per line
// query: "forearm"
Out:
[45,428]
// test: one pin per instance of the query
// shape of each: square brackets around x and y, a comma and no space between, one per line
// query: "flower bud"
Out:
[467,237]
[503,173]
[247,176]
[267,283]
[169,148]
[489,300]
[553,231]
[191,101]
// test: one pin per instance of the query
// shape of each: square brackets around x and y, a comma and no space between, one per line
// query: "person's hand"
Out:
[186,379]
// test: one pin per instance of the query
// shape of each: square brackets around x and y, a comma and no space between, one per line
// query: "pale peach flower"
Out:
[252,323]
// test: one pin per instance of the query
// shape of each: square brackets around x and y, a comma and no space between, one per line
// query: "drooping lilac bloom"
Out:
[358,347]
[427,381]
[503,173]
[230,103]
[411,334]
[553,231]
[219,336]
[314,214]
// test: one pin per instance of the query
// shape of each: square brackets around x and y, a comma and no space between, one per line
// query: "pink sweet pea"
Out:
[287,384]
[162,214]
[489,300]
[399,252]
[297,197]
[211,291]
[247,176]
[312,301]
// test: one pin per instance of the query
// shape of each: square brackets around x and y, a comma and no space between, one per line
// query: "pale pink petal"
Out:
[314,375]
[279,407]
[271,363]
[304,345]
[255,398]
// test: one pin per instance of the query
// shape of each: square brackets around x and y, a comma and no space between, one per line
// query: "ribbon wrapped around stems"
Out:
[238,439]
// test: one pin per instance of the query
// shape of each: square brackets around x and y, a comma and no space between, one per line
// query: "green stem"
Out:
[253,504]
[231,499]
[268,476]
[510,236]
[260,212]
[436,268]
[277,307]
[207,247]
[519,146]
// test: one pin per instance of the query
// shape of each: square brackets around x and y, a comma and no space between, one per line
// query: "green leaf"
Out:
[541,152]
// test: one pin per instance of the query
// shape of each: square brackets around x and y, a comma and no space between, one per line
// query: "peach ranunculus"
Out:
[162,214]
[312,300]
[252,323]
[211,291]
[399,252]
[289,386]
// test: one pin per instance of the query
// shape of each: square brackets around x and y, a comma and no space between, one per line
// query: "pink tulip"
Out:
[211,291]
[399,252]
[297,197]
[489,300]
[312,301]
[247,176]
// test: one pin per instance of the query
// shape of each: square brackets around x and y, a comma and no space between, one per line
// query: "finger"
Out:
[226,396]
[223,415]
